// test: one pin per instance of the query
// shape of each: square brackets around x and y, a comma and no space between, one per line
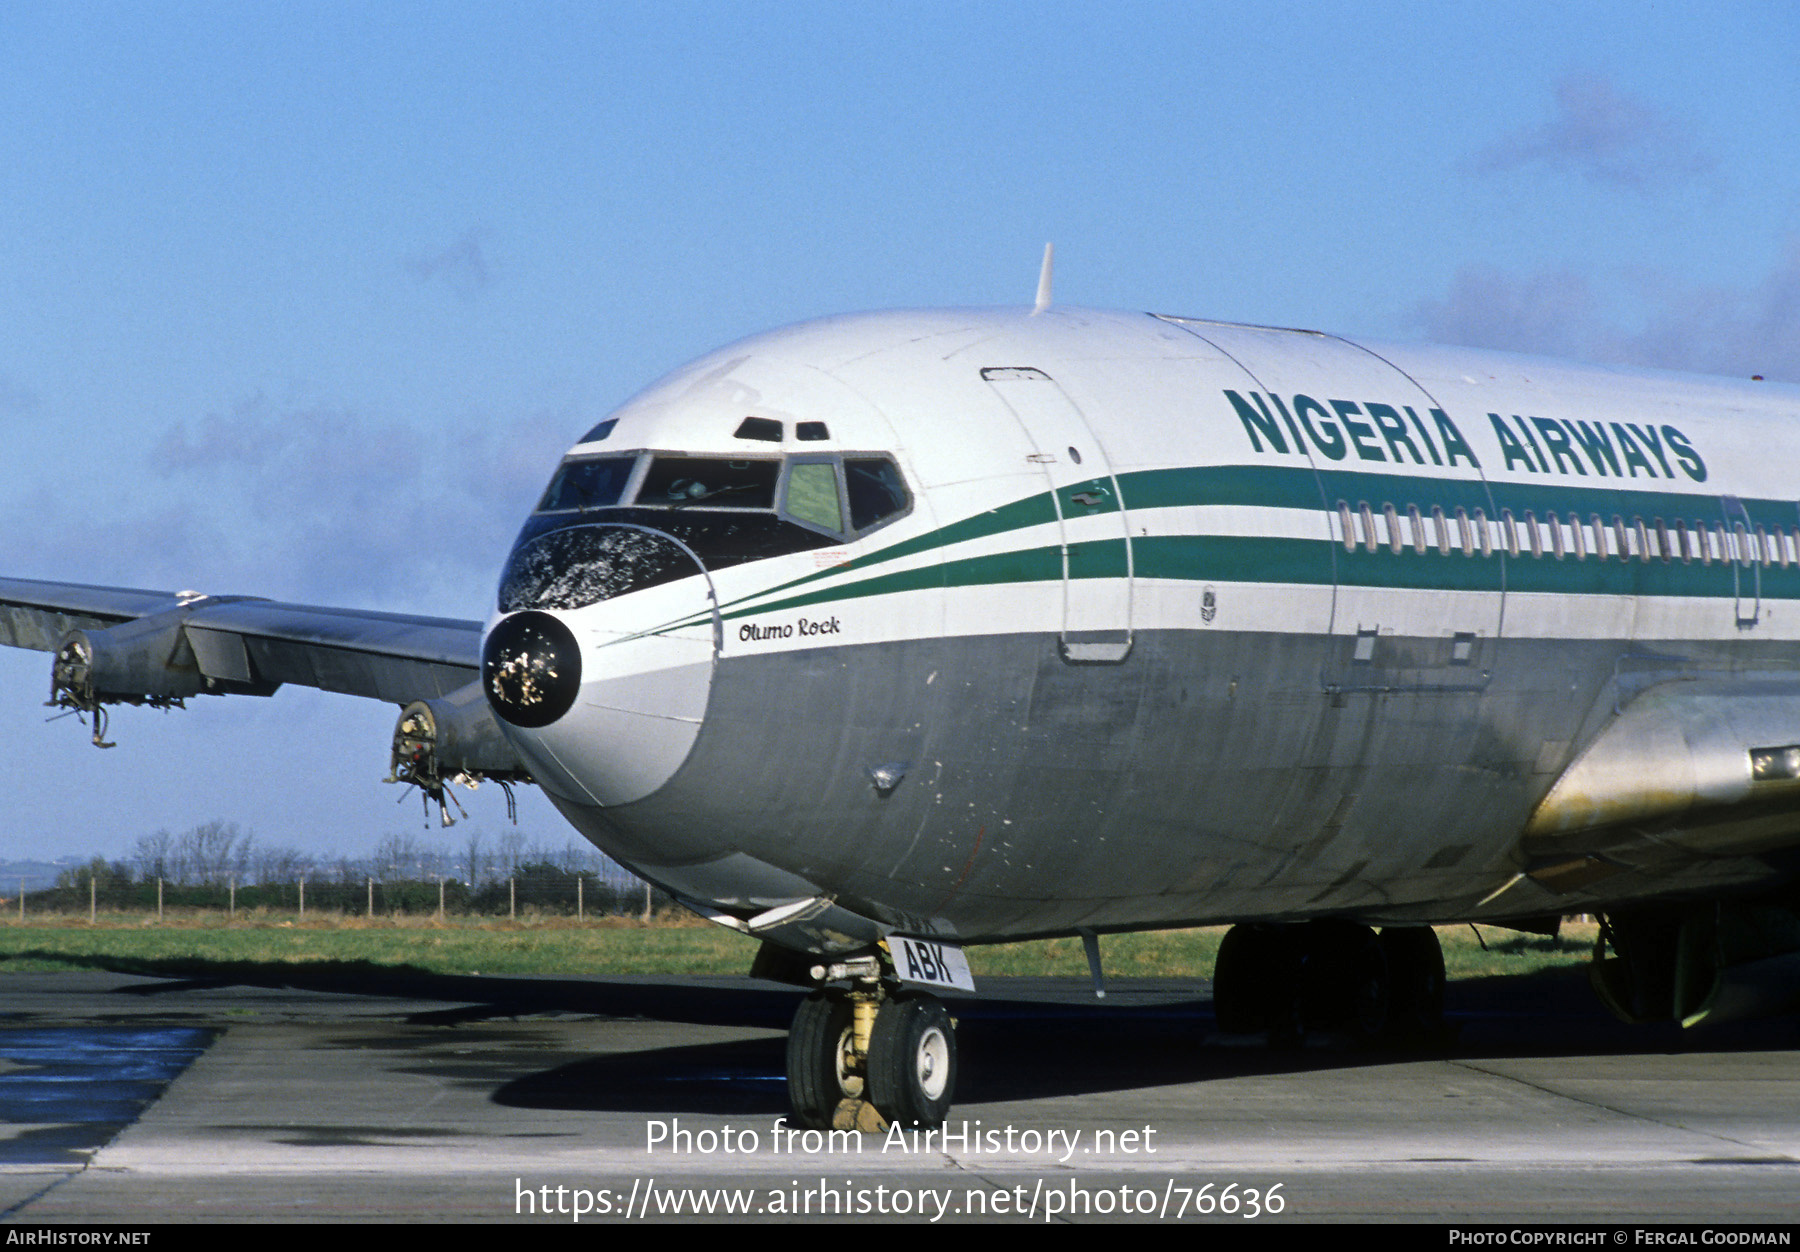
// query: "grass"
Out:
[673,945]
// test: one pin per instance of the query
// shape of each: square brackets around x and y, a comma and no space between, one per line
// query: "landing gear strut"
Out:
[1330,975]
[868,1055]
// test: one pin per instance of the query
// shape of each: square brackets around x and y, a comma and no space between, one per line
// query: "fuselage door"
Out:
[1095,535]
[1742,549]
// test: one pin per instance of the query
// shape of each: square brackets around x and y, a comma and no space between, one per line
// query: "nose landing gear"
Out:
[870,1055]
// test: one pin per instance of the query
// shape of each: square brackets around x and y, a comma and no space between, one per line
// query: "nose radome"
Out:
[531,668]
[601,669]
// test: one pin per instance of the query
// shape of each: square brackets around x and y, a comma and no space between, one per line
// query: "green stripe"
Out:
[1307,562]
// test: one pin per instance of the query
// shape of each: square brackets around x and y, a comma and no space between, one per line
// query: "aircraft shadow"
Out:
[1022,1039]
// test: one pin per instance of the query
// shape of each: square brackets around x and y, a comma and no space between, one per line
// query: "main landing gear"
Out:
[1331,975]
[863,1054]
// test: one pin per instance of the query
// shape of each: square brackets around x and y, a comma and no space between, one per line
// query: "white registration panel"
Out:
[929,963]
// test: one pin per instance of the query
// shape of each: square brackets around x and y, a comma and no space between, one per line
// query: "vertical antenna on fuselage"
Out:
[1043,295]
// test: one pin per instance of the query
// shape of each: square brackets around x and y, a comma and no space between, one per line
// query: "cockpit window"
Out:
[687,481]
[877,491]
[590,484]
[812,495]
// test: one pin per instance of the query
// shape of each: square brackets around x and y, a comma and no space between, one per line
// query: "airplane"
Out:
[885,635]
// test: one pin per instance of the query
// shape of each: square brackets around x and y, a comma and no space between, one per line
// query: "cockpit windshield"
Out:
[682,481]
[607,525]
[589,484]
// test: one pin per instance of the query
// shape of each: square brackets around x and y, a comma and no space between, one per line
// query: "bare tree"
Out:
[153,854]
[474,863]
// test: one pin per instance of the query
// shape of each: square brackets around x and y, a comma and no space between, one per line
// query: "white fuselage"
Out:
[1176,622]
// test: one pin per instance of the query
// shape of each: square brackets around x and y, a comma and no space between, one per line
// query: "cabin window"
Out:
[1347,526]
[1443,530]
[1681,542]
[1483,535]
[1557,545]
[1533,535]
[1368,525]
[1742,541]
[1393,527]
[1662,539]
[1465,538]
[1577,537]
[1418,528]
[1599,536]
[1508,528]
[593,483]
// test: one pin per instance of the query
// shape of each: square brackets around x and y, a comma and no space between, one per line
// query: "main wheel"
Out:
[1416,968]
[1241,974]
[912,1061]
[818,1059]
[1344,980]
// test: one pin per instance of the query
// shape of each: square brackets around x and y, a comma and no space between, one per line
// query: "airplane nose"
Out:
[531,668]
[601,668]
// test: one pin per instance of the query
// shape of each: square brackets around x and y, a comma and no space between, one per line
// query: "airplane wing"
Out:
[157,646]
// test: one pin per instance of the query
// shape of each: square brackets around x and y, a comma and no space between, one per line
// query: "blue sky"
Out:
[304,302]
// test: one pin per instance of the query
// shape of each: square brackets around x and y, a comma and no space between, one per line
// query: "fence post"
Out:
[440,898]
[371,896]
[303,897]
[159,916]
[93,896]
[512,900]
[580,915]
[646,904]
[231,898]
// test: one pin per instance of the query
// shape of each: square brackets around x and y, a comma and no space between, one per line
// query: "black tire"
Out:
[1240,981]
[817,1043]
[1416,966]
[1370,998]
[1345,982]
[912,1062]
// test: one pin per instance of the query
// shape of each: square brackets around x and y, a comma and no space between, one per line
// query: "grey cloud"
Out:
[320,504]
[1603,136]
[463,266]
[1715,330]
[1547,313]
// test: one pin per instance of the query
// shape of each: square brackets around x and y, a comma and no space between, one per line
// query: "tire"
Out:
[817,1042]
[1416,966]
[1345,982]
[1240,981]
[912,1062]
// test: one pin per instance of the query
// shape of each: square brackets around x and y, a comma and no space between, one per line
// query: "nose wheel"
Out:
[912,1061]
[823,1068]
[864,1060]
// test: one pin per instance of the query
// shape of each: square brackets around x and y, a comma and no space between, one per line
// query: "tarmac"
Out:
[393,1099]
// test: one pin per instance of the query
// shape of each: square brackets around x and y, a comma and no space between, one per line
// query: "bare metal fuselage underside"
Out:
[1210,777]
